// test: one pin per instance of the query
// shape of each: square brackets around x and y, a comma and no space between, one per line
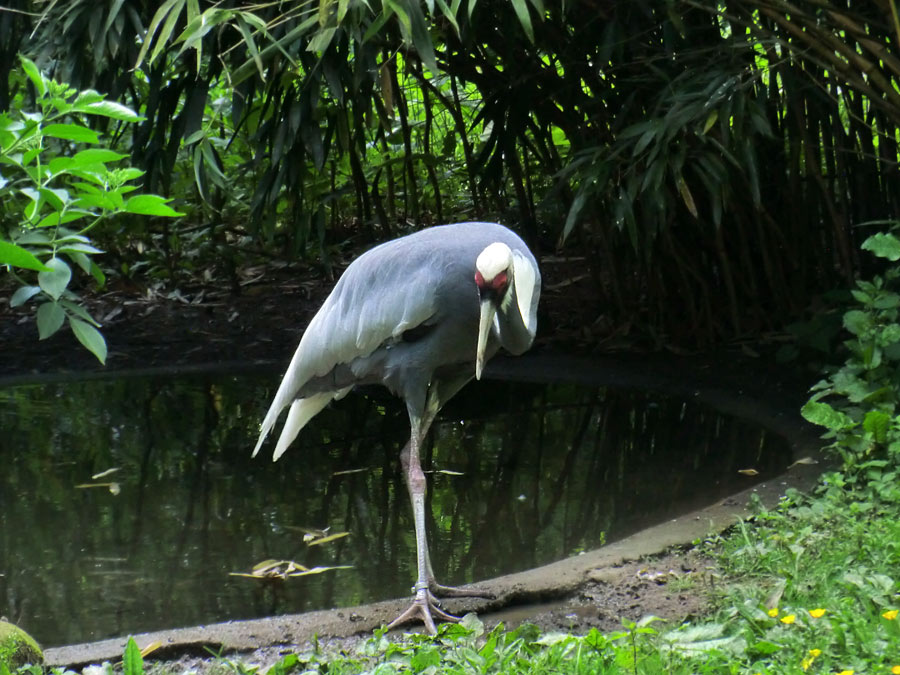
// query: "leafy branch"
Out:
[52,194]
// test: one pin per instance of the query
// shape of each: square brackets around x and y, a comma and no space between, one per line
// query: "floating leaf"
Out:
[104,474]
[748,472]
[282,569]
[325,540]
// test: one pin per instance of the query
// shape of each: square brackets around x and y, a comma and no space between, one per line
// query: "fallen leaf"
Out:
[748,472]
[803,460]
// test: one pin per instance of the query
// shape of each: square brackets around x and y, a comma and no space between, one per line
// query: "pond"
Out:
[126,504]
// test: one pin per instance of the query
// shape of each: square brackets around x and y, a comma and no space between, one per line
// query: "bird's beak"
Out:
[488,310]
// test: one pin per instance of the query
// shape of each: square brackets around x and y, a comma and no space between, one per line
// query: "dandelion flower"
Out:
[891,614]
[817,613]
[815,652]
[773,612]
[845,672]
[895,670]
[790,618]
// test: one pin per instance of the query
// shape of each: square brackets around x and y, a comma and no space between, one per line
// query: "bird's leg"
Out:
[424,604]
[439,392]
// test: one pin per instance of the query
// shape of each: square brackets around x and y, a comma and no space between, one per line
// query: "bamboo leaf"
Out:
[167,8]
[521,9]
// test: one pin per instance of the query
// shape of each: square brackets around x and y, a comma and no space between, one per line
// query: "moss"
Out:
[17,647]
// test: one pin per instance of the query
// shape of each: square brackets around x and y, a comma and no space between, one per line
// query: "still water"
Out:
[522,475]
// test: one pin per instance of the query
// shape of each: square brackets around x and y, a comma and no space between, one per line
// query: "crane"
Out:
[421,315]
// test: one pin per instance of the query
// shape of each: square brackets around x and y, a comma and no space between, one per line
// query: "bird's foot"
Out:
[441,591]
[426,608]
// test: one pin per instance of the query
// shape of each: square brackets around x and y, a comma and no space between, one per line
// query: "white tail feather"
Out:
[302,411]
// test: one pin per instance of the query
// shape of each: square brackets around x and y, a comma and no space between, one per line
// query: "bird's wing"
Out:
[374,302]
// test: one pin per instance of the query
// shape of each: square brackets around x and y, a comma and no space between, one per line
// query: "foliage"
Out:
[858,402]
[707,157]
[53,194]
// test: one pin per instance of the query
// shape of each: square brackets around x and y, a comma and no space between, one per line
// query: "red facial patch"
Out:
[498,283]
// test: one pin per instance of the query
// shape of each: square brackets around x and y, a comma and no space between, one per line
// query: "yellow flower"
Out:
[773,612]
[846,672]
[808,661]
[817,613]
[891,614]
[790,618]
[896,670]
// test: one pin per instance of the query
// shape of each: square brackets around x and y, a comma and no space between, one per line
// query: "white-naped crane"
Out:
[421,315]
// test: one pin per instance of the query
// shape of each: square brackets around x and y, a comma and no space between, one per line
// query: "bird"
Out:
[421,315]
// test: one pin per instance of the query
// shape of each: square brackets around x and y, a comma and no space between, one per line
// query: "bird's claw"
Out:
[425,607]
[438,590]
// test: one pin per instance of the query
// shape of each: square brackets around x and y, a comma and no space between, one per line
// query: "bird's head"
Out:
[493,275]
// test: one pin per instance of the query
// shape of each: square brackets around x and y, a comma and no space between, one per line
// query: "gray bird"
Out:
[420,315]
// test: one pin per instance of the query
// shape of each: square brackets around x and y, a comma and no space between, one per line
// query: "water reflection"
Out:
[546,471]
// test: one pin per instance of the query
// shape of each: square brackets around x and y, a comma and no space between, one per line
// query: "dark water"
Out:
[548,471]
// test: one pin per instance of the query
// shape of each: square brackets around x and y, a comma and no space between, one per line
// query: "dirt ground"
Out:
[202,327]
[674,587]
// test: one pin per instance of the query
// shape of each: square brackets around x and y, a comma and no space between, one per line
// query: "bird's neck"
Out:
[514,334]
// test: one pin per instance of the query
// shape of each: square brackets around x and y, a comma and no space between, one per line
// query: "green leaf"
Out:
[150,205]
[132,662]
[50,318]
[96,156]
[884,245]
[524,18]
[877,423]
[71,132]
[824,415]
[765,647]
[16,256]
[857,321]
[54,281]
[93,340]
[23,295]
[33,74]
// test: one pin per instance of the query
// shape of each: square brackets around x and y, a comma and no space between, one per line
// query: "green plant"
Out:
[55,189]
[861,410]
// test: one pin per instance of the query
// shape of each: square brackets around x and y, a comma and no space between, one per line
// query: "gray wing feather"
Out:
[375,301]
